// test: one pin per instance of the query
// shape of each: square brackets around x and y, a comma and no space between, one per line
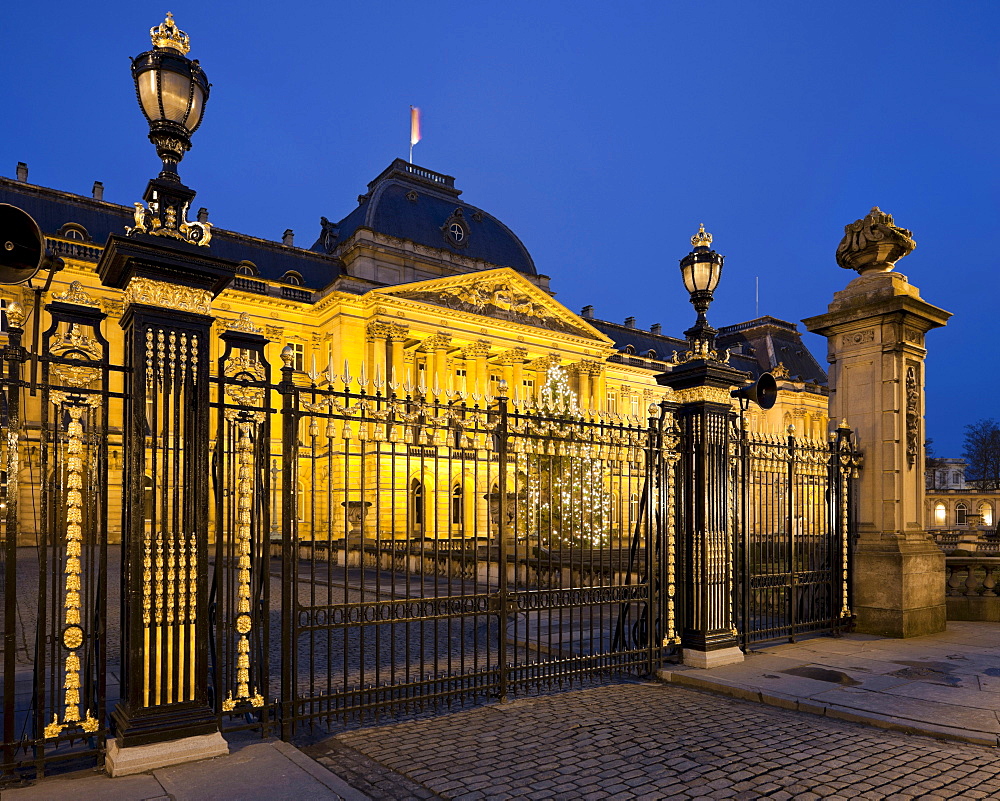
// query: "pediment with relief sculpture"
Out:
[501,294]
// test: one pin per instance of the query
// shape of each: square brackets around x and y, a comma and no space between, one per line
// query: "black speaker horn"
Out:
[22,247]
[763,392]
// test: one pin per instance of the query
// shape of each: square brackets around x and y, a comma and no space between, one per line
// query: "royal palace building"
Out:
[413,290]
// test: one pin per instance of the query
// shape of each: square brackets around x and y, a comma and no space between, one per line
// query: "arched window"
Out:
[961,514]
[457,507]
[629,350]
[651,354]
[292,278]
[986,513]
[247,268]
[940,514]
[417,505]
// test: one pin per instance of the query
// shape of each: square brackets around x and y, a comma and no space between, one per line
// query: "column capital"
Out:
[436,341]
[479,349]
[513,356]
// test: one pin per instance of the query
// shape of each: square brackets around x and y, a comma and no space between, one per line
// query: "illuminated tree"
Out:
[568,504]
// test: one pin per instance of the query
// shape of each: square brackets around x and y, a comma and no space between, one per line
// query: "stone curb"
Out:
[743,692]
[321,774]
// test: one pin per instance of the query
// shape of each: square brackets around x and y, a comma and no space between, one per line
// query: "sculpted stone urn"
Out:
[357,511]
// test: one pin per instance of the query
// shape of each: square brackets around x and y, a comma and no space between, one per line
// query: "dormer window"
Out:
[246,268]
[72,230]
[292,278]
[630,350]
[455,230]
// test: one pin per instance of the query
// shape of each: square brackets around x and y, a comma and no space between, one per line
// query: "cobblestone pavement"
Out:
[650,741]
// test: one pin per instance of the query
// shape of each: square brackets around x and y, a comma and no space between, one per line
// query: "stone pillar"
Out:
[168,291]
[875,331]
[513,371]
[435,346]
[475,356]
[397,337]
[583,370]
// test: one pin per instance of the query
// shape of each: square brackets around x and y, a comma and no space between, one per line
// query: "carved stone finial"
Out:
[873,244]
[701,239]
[167,34]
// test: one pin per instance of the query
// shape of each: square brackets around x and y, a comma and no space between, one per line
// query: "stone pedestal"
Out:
[142,758]
[875,331]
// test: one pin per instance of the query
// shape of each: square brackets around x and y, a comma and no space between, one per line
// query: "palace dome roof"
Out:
[416,204]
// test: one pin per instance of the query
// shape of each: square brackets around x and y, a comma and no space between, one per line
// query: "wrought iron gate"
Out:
[794,525]
[442,552]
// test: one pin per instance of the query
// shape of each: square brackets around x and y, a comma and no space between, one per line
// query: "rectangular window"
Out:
[298,356]
[635,405]
[612,402]
[3,316]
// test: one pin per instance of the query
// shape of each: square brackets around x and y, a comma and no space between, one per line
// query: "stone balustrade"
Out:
[971,588]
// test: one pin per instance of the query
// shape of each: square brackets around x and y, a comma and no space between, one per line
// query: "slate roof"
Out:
[52,209]
[758,345]
[410,202]
[772,341]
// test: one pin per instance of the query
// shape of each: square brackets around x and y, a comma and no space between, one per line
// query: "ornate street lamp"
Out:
[172,91]
[701,270]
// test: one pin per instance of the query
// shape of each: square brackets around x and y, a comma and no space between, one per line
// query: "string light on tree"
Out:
[570,506]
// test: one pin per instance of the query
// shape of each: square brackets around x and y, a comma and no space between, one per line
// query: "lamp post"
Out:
[172,91]
[169,278]
[702,382]
[701,270]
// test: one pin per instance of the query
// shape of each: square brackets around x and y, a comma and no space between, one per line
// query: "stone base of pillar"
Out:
[712,659]
[899,586]
[141,758]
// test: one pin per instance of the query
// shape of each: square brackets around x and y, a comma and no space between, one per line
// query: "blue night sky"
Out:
[601,133]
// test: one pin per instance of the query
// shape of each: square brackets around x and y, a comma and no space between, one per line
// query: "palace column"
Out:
[376,334]
[582,370]
[875,331]
[397,337]
[168,288]
[435,346]
[476,355]
[513,371]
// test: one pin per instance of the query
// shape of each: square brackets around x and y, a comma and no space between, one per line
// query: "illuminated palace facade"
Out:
[417,288]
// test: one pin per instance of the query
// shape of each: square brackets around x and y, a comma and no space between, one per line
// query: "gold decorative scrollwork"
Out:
[244,623]
[76,294]
[167,296]
[73,635]
[169,223]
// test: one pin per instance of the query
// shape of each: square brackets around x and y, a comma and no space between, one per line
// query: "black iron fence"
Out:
[366,555]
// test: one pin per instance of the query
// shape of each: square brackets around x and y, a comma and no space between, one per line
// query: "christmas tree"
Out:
[568,505]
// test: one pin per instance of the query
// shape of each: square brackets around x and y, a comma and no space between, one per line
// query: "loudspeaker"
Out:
[22,247]
[764,392]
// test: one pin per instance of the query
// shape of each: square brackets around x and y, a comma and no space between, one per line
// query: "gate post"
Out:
[875,331]
[168,287]
[702,382]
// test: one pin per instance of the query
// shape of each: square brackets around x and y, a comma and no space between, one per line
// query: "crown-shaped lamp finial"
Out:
[701,239]
[167,34]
